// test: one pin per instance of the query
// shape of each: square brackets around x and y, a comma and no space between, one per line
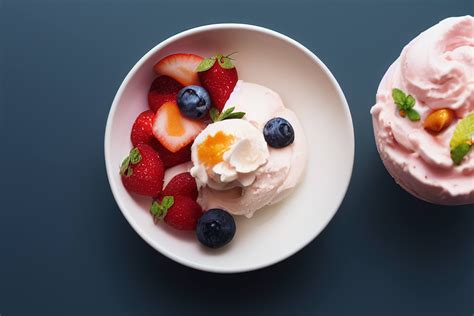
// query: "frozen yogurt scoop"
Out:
[234,167]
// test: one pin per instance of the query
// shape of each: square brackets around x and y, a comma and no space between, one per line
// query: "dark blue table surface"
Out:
[65,248]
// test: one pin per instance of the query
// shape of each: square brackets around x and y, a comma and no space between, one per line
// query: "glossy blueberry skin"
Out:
[193,102]
[278,133]
[215,228]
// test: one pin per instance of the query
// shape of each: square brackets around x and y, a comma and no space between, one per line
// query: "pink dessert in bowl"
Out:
[226,147]
[424,116]
[267,59]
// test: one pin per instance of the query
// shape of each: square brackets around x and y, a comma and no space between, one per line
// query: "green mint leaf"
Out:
[230,114]
[235,115]
[214,114]
[206,64]
[458,153]
[129,172]
[229,110]
[413,115]
[135,156]
[410,101]
[225,62]
[403,106]
[226,115]
[405,103]
[399,97]
[124,165]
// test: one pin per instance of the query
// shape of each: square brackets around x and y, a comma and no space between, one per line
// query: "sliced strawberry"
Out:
[162,90]
[219,77]
[181,67]
[142,133]
[173,130]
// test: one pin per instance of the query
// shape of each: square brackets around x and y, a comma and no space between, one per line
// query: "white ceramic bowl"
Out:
[307,87]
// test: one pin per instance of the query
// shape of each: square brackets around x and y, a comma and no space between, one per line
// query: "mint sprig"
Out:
[159,210]
[405,104]
[133,158]
[413,115]
[225,115]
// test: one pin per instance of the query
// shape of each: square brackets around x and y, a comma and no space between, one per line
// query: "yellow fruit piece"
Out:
[439,120]
[464,131]
[211,150]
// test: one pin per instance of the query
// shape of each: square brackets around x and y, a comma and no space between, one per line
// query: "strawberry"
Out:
[181,67]
[162,90]
[142,133]
[182,184]
[218,78]
[142,129]
[142,171]
[173,130]
[171,159]
[180,212]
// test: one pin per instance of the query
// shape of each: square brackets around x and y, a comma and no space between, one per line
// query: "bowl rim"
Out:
[110,170]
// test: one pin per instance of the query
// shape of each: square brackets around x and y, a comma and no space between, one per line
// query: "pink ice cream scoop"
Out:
[437,69]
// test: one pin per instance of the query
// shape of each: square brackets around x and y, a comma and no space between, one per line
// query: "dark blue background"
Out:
[65,248]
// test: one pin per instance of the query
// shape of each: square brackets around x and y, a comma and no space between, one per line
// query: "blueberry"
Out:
[194,102]
[215,228]
[278,133]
